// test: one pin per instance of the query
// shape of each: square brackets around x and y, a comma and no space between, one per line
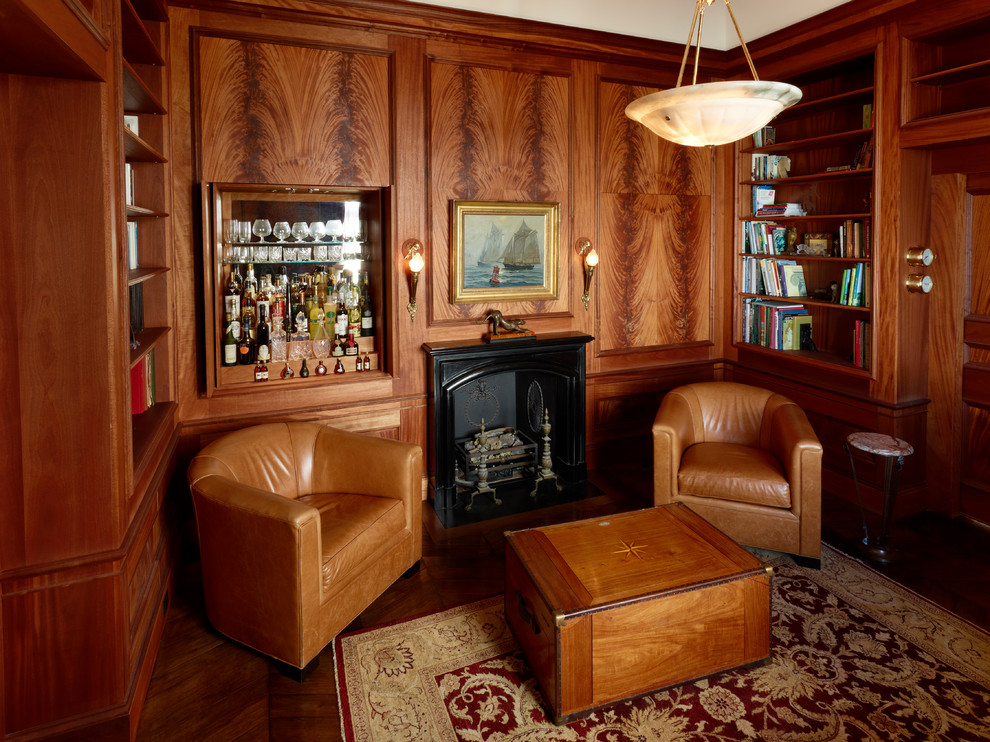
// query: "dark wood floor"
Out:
[205,687]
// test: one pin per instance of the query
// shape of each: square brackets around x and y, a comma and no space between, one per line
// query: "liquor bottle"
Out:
[338,347]
[341,326]
[261,371]
[229,344]
[245,346]
[247,310]
[232,299]
[263,299]
[351,346]
[321,338]
[262,347]
[358,363]
[366,363]
[321,370]
[304,371]
[287,372]
[339,368]
[354,311]
[251,282]
[367,310]
[315,310]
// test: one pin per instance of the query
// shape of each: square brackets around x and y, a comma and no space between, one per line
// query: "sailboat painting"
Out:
[504,251]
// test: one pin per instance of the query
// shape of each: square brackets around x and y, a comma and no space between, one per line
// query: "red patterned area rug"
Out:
[855,657]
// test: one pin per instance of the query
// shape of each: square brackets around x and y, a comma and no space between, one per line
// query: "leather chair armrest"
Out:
[673,433]
[261,561]
[367,465]
[794,443]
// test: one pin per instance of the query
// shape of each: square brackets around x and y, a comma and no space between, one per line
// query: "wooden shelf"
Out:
[796,256]
[138,97]
[954,75]
[147,339]
[148,429]
[823,359]
[139,47]
[808,218]
[140,275]
[807,301]
[805,108]
[801,145]
[813,177]
[947,130]
[138,150]
[140,212]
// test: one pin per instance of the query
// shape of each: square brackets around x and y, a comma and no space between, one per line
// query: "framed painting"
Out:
[503,251]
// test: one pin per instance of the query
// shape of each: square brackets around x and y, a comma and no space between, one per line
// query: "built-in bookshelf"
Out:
[144,86]
[948,84]
[804,273]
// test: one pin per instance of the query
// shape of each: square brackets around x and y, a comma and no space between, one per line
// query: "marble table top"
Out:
[880,444]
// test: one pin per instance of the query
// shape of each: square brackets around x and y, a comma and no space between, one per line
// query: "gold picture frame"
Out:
[485,233]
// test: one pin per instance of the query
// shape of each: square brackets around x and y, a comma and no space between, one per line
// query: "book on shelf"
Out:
[762,195]
[864,155]
[128,184]
[132,245]
[143,395]
[854,239]
[771,167]
[792,276]
[136,308]
[764,136]
[131,123]
[853,287]
[867,115]
[764,238]
[862,344]
[782,209]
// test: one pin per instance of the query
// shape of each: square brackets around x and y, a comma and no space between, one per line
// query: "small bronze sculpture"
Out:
[499,322]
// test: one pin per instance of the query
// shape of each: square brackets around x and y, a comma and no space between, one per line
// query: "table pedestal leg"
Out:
[878,548]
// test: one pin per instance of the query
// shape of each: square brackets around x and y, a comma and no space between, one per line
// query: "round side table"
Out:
[893,450]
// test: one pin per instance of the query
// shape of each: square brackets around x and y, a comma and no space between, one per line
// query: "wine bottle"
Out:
[262,343]
[245,346]
[367,310]
[229,344]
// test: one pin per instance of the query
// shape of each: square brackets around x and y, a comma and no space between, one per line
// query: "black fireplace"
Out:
[532,387]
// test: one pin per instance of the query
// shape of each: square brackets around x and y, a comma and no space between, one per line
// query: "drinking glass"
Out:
[262,228]
[281,231]
[245,236]
[317,230]
[300,230]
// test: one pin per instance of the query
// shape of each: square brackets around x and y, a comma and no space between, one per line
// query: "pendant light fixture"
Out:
[711,113]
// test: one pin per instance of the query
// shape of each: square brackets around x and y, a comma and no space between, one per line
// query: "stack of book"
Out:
[854,239]
[775,210]
[856,286]
[143,384]
[776,325]
[773,277]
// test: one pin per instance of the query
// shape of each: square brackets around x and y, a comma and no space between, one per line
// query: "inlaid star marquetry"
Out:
[630,549]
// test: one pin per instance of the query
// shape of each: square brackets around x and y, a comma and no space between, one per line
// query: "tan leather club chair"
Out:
[746,460]
[301,526]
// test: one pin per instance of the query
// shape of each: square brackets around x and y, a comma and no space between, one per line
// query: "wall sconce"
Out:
[586,251]
[413,252]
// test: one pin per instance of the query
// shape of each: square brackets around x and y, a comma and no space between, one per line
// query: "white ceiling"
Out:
[668,20]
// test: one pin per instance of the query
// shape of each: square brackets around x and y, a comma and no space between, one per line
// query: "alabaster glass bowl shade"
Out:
[713,112]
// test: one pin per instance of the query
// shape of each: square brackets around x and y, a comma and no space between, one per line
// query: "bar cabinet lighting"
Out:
[712,113]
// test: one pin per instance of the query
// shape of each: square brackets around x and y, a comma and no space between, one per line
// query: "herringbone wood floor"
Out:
[205,687]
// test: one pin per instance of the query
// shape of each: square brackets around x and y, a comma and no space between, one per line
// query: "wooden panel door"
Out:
[974,469]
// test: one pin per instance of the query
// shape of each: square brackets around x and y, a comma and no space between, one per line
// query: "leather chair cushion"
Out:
[729,471]
[353,528]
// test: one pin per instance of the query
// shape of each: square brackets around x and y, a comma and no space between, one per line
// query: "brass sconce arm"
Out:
[589,262]
[412,251]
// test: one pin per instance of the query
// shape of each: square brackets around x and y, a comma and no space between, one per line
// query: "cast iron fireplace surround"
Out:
[506,383]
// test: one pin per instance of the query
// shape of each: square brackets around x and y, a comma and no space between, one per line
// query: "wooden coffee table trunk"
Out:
[612,608]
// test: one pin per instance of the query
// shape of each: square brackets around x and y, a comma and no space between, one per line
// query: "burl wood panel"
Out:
[655,275]
[495,135]
[282,113]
